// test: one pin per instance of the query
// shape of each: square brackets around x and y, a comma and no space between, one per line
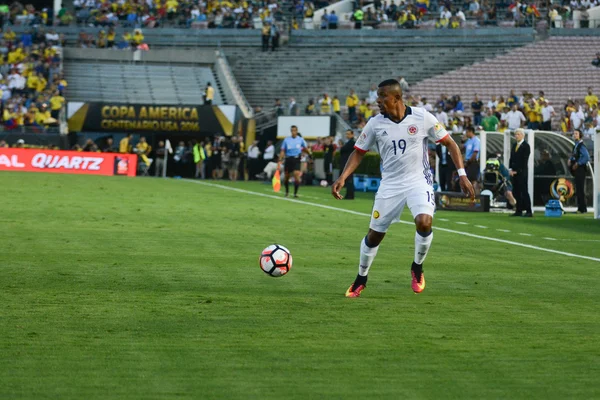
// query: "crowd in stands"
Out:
[245,14]
[498,113]
[32,86]
[174,13]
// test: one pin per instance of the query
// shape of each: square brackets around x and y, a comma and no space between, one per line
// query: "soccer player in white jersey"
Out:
[400,134]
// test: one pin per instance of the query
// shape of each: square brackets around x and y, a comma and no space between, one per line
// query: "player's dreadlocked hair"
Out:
[389,82]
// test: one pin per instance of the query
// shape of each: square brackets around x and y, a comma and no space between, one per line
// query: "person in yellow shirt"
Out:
[591,99]
[533,112]
[351,103]
[454,23]
[143,149]
[101,41]
[325,104]
[9,36]
[110,38]
[363,110]
[335,103]
[402,19]
[32,82]
[43,117]
[171,6]
[56,104]
[41,83]
[368,113]
[138,37]
[501,103]
[15,56]
[128,37]
[209,94]
[125,144]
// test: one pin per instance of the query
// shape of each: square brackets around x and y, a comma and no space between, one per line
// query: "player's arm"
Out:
[454,151]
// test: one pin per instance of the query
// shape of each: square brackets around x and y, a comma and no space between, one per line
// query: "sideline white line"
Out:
[462,223]
[443,219]
[481,226]
[525,234]
[491,239]
[549,238]
[503,230]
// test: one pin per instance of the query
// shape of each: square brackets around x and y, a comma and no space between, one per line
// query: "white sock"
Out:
[422,245]
[367,255]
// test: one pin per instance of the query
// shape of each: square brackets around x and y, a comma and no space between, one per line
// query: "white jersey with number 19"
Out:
[403,148]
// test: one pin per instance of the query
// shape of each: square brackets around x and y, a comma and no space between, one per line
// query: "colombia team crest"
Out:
[413,129]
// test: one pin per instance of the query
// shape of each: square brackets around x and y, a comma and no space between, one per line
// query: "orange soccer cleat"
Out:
[418,279]
[357,287]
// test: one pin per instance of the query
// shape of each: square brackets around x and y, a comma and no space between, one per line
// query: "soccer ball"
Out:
[275,260]
[324,183]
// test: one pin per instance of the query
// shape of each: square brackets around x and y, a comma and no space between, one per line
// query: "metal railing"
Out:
[224,70]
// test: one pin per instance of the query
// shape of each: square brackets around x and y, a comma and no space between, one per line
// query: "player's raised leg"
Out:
[368,250]
[422,207]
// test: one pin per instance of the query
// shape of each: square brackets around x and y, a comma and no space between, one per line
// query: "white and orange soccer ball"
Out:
[275,260]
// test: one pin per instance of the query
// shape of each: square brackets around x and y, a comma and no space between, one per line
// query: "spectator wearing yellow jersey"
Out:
[138,37]
[335,104]
[125,144]
[110,38]
[209,94]
[171,6]
[56,104]
[41,83]
[43,117]
[533,112]
[591,99]
[325,104]
[9,36]
[143,149]
[351,103]
[32,83]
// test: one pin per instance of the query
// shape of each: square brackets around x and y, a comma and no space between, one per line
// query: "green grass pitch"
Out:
[120,288]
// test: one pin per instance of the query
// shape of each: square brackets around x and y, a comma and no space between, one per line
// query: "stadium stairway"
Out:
[559,66]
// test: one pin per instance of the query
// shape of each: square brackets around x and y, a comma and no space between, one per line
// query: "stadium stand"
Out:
[131,83]
[309,66]
[32,87]
[116,78]
[560,66]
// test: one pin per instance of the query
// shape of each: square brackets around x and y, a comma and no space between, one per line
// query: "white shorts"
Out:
[386,211]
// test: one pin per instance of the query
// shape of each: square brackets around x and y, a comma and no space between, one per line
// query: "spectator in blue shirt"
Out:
[458,106]
[26,39]
[472,146]
[333,20]
[578,165]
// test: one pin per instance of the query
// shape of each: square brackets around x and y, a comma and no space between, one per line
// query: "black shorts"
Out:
[292,164]
[473,171]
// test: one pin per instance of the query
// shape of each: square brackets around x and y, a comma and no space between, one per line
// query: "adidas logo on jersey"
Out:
[384,133]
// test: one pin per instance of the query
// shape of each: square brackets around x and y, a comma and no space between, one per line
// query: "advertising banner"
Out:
[310,127]
[150,118]
[67,162]
[454,201]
